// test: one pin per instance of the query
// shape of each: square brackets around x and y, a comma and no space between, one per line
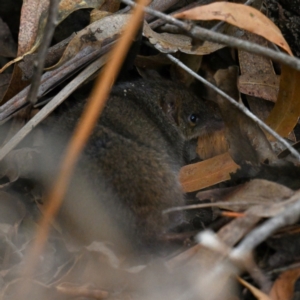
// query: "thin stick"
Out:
[40,61]
[288,217]
[213,204]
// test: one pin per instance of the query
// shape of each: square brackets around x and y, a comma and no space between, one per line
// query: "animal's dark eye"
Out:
[193,118]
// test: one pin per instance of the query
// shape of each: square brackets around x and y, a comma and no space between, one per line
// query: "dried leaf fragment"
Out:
[283,287]
[284,116]
[206,173]
[94,35]
[259,85]
[170,43]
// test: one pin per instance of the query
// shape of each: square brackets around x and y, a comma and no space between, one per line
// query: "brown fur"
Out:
[128,173]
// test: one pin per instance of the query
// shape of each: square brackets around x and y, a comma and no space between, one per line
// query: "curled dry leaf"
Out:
[245,17]
[170,43]
[284,116]
[93,36]
[284,285]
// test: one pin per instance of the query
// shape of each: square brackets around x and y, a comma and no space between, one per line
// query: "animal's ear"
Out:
[170,107]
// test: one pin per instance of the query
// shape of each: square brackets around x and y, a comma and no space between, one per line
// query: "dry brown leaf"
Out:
[253,63]
[206,173]
[256,65]
[33,14]
[284,116]
[255,291]
[252,191]
[29,24]
[258,77]
[33,20]
[283,287]
[245,17]
[264,86]
[170,43]
[93,36]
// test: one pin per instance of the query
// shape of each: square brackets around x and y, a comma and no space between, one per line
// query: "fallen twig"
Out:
[40,61]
